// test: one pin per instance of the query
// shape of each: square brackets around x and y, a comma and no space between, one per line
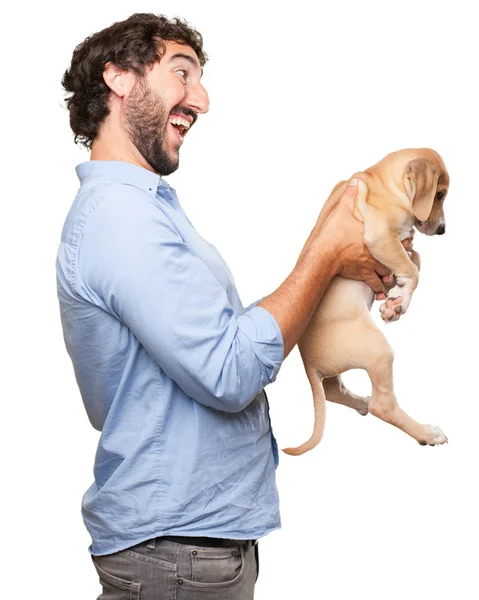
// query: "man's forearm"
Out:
[295,301]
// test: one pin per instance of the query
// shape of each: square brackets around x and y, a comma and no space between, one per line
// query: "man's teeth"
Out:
[179,121]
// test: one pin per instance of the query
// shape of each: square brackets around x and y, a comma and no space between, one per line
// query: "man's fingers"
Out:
[388,279]
[374,282]
[381,270]
[350,192]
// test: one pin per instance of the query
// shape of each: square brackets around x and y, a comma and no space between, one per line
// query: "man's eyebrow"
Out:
[187,57]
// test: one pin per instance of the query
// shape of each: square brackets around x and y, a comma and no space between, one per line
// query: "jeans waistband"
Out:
[206,541]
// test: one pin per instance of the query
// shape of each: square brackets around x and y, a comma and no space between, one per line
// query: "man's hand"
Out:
[346,234]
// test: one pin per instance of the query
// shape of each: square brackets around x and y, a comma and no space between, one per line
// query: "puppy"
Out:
[404,190]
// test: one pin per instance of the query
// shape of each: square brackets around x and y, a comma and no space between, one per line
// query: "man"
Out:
[171,367]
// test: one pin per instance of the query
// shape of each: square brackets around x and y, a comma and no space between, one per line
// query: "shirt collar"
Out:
[123,172]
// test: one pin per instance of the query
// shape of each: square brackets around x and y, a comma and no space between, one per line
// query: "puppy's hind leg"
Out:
[336,391]
[319,399]
[383,404]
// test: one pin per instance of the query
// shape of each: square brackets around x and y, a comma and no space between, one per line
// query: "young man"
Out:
[171,367]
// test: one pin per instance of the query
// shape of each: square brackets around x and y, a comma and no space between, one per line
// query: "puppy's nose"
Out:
[441,229]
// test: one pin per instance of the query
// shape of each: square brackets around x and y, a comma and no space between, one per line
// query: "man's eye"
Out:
[440,195]
[183,71]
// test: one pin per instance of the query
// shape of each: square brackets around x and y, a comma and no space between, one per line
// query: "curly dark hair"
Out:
[133,44]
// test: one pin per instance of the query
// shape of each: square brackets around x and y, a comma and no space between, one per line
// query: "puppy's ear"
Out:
[420,181]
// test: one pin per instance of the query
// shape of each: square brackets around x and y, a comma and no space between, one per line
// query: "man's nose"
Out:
[198,99]
[440,230]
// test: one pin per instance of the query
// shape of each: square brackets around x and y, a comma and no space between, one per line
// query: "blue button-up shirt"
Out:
[170,366]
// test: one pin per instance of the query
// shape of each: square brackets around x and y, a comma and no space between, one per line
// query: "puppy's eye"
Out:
[440,195]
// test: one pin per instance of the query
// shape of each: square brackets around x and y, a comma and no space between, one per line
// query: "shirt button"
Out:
[233,553]
[194,552]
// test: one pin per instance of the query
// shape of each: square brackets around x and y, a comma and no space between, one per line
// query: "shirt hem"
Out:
[134,542]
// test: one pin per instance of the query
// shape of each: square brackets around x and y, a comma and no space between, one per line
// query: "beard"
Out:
[146,121]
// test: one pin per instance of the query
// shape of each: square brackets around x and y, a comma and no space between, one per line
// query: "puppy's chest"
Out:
[407,230]
[403,222]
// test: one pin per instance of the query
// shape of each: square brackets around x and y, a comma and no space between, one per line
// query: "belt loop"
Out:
[151,544]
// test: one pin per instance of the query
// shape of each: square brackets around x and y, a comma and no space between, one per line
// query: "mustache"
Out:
[186,111]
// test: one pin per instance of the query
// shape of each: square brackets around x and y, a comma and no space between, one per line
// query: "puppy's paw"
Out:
[433,436]
[397,302]
[392,308]
[363,407]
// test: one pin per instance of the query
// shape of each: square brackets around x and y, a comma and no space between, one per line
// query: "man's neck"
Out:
[111,147]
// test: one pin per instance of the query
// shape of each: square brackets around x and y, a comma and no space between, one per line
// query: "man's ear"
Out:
[420,180]
[120,81]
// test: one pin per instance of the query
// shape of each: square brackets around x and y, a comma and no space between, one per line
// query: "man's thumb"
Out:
[353,186]
[350,192]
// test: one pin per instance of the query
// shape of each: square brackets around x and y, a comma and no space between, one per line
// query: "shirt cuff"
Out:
[266,339]
[254,304]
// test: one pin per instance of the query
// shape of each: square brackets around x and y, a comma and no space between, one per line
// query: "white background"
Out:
[302,95]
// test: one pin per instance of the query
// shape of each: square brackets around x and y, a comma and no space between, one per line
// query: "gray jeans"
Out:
[165,570]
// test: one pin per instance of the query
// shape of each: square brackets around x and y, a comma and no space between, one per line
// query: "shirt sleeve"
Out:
[254,304]
[134,263]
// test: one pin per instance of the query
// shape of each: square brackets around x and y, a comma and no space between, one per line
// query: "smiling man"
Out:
[150,116]
[171,367]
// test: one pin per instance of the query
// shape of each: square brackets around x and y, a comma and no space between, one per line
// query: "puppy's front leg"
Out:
[383,243]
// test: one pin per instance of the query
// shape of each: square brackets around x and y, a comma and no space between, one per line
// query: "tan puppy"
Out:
[404,190]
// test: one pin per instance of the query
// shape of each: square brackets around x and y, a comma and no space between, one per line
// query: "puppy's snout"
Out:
[441,230]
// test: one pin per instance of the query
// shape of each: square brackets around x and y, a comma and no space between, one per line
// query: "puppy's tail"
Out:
[319,399]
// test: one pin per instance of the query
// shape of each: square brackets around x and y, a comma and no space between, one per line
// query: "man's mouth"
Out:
[181,126]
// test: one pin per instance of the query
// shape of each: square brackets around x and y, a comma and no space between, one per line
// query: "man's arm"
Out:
[295,301]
